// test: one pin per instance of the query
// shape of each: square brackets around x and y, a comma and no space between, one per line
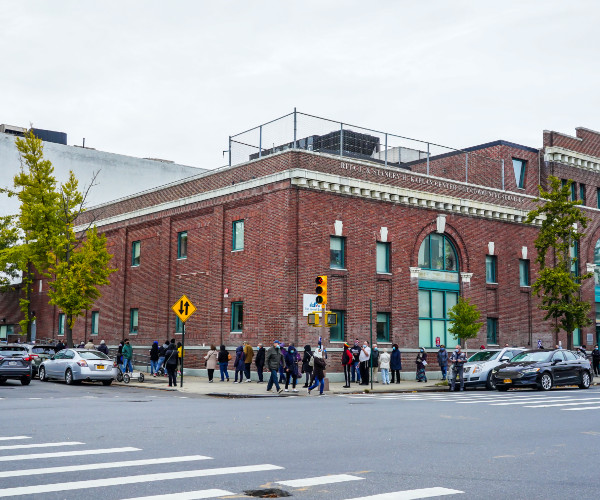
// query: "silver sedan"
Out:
[76,365]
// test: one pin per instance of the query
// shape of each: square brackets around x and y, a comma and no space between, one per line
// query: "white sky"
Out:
[173,79]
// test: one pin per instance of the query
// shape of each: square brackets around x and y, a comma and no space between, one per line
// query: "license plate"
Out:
[99,367]
[12,363]
[507,381]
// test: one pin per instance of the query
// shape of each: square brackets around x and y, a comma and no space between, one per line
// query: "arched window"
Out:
[437,253]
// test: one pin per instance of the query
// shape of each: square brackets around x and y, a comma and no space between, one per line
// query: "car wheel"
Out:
[502,388]
[490,384]
[2,380]
[141,377]
[42,374]
[585,380]
[120,376]
[107,382]
[69,377]
[546,382]
[25,380]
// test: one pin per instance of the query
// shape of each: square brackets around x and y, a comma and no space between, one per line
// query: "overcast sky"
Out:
[174,79]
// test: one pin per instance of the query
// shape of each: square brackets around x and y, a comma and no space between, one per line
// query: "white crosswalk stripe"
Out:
[62,454]
[412,494]
[187,495]
[13,438]
[39,445]
[315,481]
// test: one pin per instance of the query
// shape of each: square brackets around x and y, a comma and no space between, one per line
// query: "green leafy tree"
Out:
[463,317]
[10,256]
[558,283]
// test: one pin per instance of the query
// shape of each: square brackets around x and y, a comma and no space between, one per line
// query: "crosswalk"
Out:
[68,480]
[564,400]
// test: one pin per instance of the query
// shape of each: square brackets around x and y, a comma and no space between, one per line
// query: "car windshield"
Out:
[484,356]
[93,355]
[43,350]
[531,356]
[12,348]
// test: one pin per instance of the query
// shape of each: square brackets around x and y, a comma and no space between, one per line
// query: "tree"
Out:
[463,316]
[558,283]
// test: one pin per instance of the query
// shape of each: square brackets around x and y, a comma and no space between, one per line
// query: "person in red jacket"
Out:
[347,359]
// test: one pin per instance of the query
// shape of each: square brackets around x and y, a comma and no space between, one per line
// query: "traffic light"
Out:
[314,319]
[321,290]
[330,319]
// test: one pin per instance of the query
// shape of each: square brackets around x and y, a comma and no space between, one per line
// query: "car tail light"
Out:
[27,358]
[1,358]
[114,364]
[82,363]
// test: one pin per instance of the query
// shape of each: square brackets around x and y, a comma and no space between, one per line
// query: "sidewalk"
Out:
[200,385]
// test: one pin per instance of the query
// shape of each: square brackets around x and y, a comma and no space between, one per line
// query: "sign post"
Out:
[183,308]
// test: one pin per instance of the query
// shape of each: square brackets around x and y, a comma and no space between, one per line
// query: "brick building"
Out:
[245,243]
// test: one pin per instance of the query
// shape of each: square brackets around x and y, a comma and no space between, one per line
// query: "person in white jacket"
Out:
[384,367]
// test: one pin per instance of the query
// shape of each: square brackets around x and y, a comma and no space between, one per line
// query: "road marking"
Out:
[57,454]
[583,402]
[109,465]
[546,401]
[39,445]
[411,494]
[10,438]
[34,398]
[314,481]
[502,401]
[187,495]
[586,408]
[144,478]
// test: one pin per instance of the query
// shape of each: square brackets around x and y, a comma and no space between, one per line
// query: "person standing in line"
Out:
[458,360]
[59,346]
[260,363]
[239,365]
[395,363]
[291,368]
[120,355]
[442,357]
[179,355]
[365,359]
[172,360]
[375,361]
[248,357]
[223,359]
[596,360]
[306,367]
[384,366]
[319,372]
[282,350]
[162,350]
[90,345]
[355,362]
[583,350]
[347,360]
[211,362]
[102,347]
[154,358]
[273,360]
[127,356]
[421,364]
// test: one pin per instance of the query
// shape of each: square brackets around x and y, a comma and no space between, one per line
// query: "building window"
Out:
[178,325]
[577,337]
[573,191]
[133,320]
[336,252]
[490,269]
[519,168]
[437,253]
[238,235]
[597,197]
[433,316]
[136,247]
[237,316]
[524,272]
[383,327]
[6,330]
[575,258]
[492,331]
[95,322]
[61,324]
[182,245]
[383,257]
[336,333]
[582,193]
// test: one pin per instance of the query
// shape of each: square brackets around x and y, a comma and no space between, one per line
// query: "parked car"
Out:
[478,368]
[39,353]
[543,369]
[15,363]
[76,365]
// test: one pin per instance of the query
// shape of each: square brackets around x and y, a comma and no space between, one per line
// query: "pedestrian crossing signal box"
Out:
[314,319]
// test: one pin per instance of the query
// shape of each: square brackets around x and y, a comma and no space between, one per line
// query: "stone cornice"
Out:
[572,158]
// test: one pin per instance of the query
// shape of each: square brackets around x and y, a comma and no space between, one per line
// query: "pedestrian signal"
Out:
[321,290]
[314,319]
[330,319]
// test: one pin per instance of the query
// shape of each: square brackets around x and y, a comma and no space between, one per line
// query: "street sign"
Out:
[183,308]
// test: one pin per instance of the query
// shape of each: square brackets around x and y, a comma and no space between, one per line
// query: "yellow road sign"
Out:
[183,308]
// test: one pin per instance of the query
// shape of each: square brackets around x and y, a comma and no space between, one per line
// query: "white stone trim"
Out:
[466,277]
[414,272]
[572,158]
[590,267]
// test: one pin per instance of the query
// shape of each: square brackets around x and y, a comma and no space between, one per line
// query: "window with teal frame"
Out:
[433,316]
[336,333]
[178,325]
[133,321]
[573,191]
[582,196]
[575,258]
[136,248]
[492,331]
[577,337]
[238,235]
[383,327]
[95,322]
[182,241]
[61,324]
[383,257]
[437,253]
[519,169]
[237,316]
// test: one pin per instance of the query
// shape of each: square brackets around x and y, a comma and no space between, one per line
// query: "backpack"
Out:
[312,360]
[345,358]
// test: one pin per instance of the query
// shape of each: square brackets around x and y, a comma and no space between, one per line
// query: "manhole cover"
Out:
[268,493]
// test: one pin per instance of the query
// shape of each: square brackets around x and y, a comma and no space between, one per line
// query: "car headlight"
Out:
[477,369]
[531,370]
[495,370]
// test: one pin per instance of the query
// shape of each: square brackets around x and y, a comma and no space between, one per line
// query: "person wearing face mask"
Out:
[384,365]
[273,359]
[291,368]
[319,372]
[458,360]
[347,360]
[375,361]
[355,362]
[442,356]
[421,364]
[395,363]
[364,358]
[596,360]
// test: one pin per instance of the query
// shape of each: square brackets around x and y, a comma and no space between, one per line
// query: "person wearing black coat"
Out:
[306,368]
[260,362]
[102,347]
[172,359]
[596,360]
[319,372]
[395,363]
[154,358]
[59,346]
[223,359]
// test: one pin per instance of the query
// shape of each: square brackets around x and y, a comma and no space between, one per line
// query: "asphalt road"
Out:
[470,445]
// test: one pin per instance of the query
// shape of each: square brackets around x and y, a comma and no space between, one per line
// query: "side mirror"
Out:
[504,359]
[555,361]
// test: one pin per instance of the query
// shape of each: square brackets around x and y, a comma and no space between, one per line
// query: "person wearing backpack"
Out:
[306,366]
[291,368]
[172,359]
[347,359]
[223,360]
[319,371]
